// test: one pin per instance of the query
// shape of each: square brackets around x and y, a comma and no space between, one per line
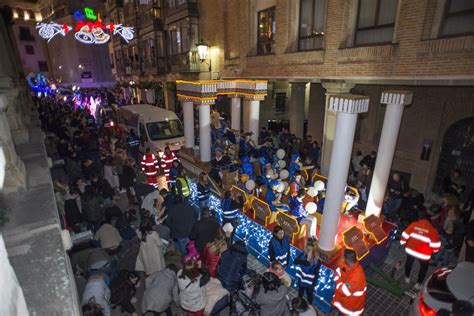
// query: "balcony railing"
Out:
[185,62]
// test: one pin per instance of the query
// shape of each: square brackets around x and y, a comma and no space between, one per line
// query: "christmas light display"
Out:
[90,32]
[257,238]
[40,84]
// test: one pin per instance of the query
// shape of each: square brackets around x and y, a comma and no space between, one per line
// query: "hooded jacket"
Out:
[233,266]
[161,290]
[273,303]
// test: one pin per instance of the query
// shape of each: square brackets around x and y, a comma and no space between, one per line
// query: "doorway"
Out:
[457,152]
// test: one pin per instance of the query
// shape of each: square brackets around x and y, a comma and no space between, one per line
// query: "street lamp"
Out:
[203,48]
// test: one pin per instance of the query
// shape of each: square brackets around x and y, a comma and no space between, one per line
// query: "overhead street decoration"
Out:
[87,32]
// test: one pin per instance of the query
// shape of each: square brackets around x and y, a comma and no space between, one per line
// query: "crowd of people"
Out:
[132,244]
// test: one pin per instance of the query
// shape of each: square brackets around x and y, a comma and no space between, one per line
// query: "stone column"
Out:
[316,109]
[235,112]
[395,101]
[205,132]
[14,171]
[188,118]
[298,90]
[254,118]
[347,107]
[332,87]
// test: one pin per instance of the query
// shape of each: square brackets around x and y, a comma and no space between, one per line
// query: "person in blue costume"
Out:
[294,164]
[270,196]
[297,206]
[203,190]
[266,150]
[296,184]
[279,247]
[307,266]
[279,205]
[173,175]
[247,167]
[247,146]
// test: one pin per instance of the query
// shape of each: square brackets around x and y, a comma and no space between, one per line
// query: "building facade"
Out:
[22,17]
[308,49]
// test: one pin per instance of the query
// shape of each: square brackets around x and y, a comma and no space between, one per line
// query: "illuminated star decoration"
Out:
[51,29]
[257,237]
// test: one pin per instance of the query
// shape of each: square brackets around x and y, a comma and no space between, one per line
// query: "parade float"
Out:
[337,223]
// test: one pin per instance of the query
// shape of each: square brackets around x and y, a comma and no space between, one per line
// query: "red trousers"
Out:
[198,313]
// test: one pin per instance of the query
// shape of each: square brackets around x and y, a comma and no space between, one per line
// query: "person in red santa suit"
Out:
[166,162]
[150,167]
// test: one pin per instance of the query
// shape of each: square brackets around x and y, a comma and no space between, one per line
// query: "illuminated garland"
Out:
[257,238]
[90,32]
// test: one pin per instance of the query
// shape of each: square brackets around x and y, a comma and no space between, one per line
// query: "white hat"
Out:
[228,228]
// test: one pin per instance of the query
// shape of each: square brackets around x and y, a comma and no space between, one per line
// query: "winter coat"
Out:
[91,209]
[108,236]
[97,290]
[181,218]
[273,303]
[232,266]
[204,231]
[150,258]
[161,290]
[111,176]
[128,176]
[73,168]
[210,260]
[192,294]
[73,214]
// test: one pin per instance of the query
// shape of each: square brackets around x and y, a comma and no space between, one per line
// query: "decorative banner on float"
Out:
[87,32]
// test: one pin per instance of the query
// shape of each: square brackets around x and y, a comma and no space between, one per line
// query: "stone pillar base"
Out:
[328,257]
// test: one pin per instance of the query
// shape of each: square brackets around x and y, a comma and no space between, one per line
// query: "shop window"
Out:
[375,21]
[458,18]
[266,32]
[311,26]
[30,50]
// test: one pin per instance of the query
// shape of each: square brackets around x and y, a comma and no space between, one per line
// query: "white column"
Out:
[188,117]
[332,87]
[347,108]
[205,132]
[298,90]
[246,115]
[235,113]
[395,100]
[254,119]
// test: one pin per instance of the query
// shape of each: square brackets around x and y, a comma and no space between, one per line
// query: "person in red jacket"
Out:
[420,240]
[351,288]
[166,162]
[150,167]
[212,254]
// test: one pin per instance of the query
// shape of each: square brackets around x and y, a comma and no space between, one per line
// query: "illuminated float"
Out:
[337,224]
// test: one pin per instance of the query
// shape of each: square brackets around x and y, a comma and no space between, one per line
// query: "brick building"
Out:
[309,48]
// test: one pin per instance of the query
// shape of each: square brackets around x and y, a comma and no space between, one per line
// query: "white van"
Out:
[156,127]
